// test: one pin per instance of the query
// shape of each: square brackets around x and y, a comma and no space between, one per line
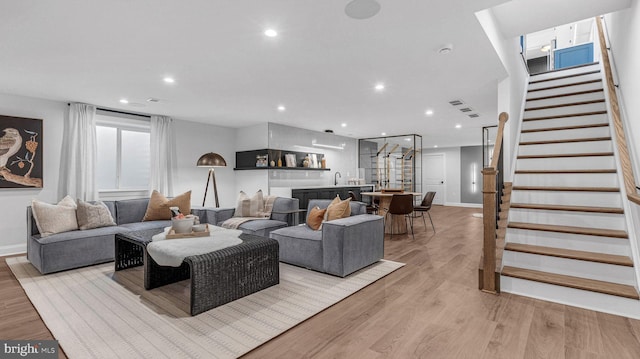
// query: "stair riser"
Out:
[569,147]
[601,199]
[576,268]
[617,246]
[578,70]
[564,81]
[573,297]
[566,218]
[568,180]
[565,134]
[565,90]
[566,100]
[568,110]
[566,121]
[566,163]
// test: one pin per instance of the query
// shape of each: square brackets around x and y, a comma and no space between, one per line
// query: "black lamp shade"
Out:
[211,160]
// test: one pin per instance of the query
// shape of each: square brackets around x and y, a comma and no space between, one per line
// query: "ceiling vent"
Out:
[474,115]
[466,109]
[456,102]
[154,100]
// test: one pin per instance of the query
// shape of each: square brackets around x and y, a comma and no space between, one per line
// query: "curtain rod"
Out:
[120,112]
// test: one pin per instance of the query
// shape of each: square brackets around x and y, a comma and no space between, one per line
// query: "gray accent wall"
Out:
[470,174]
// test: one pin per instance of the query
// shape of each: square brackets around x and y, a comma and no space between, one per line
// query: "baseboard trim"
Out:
[13,249]
[468,205]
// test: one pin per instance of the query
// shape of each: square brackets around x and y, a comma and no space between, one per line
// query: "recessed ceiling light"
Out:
[383,134]
[458,126]
[270,33]
[362,9]
[281,108]
[343,124]
[153,99]
[408,139]
[429,112]
[435,146]
[169,80]
[124,100]
[545,48]
[379,87]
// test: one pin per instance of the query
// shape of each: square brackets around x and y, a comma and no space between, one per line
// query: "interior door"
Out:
[433,174]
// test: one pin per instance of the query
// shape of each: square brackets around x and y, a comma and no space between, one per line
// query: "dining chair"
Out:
[371,208]
[402,205]
[424,207]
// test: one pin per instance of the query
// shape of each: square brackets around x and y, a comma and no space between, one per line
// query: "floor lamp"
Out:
[211,160]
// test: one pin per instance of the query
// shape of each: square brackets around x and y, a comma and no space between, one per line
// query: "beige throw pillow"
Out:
[314,219]
[158,208]
[250,207]
[338,209]
[93,215]
[55,218]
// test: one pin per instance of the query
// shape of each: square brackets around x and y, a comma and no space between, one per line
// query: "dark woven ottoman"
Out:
[217,277]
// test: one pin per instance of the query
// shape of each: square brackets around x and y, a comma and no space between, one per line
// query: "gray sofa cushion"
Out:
[138,226]
[283,204]
[131,210]
[261,227]
[300,245]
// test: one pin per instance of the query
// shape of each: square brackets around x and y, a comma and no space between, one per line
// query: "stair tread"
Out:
[566,85]
[576,127]
[584,171]
[567,189]
[562,155]
[559,207]
[564,116]
[593,285]
[565,95]
[566,76]
[564,105]
[615,233]
[565,69]
[570,254]
[568,140]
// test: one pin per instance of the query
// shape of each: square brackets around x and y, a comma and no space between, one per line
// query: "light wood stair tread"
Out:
[566,85]
[582,171]
[562,155]
[566,189]
[565,95]
[565,69]
[570,254]
[568,140]
[564,105]
[565,76]
[564,116]
[559,207]
[599,232]
[561,128]
[592,285]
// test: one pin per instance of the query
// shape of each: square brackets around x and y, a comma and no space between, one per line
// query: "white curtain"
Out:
[163,155]
[79,152]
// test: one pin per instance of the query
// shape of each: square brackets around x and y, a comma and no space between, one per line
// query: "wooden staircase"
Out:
[566,236]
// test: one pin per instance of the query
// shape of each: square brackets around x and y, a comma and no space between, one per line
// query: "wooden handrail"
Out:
[489,205]
[502,119]
[621,141]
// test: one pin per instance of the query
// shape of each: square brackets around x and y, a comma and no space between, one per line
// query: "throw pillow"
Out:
[158,208]
[250,207]
[55,218]
[338,209]
[315,217]
[93,215]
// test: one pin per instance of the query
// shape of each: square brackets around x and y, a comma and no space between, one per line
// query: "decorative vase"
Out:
[279,162]
[272,163]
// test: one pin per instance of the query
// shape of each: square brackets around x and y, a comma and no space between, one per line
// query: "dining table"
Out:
[398,222]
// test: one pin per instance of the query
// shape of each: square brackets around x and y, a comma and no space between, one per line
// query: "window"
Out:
[123,160]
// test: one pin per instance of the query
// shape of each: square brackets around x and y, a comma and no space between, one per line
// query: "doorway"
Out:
[433,176]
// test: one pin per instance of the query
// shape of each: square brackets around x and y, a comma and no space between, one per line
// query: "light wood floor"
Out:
[431,308]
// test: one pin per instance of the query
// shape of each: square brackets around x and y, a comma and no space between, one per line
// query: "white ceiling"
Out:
[322,66]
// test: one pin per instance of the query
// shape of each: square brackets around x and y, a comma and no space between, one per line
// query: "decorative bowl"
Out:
[182,225]
[199,227]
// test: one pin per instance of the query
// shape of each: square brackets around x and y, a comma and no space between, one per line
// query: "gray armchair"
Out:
[341,247]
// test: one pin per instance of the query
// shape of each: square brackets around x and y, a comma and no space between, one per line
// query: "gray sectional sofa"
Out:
[341,247]
[281,216]
[81,248]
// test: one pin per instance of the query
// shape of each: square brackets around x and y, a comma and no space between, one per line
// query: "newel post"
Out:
[489,218]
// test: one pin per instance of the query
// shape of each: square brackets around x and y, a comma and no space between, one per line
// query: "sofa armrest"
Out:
[351,243]
[217,215]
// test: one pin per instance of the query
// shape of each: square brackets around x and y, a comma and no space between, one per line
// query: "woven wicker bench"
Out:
[217,278]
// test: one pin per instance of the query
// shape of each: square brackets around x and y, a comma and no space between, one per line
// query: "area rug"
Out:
[96,313]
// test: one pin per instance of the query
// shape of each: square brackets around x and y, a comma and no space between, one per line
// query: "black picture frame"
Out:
[20,152]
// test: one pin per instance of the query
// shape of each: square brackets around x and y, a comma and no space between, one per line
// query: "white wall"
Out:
[452,175]
[13,223]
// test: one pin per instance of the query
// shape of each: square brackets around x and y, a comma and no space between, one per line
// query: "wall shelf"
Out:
[246,160]
[281,168]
